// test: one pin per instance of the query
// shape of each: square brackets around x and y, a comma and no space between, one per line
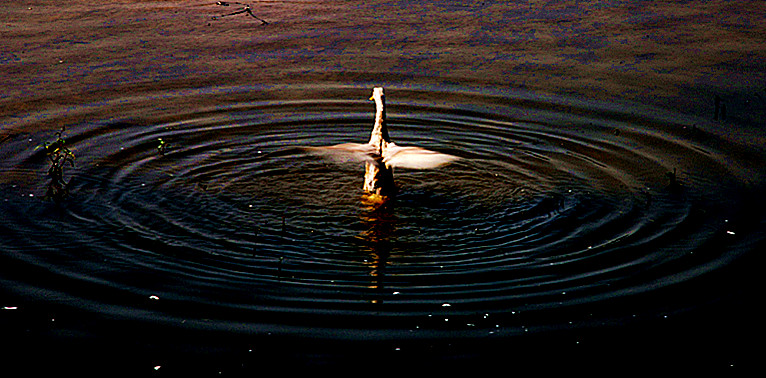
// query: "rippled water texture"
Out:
[606,207]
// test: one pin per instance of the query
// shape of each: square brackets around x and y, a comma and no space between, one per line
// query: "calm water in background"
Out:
[604,212]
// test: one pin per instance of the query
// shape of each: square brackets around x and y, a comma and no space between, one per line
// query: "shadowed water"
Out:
[197,221]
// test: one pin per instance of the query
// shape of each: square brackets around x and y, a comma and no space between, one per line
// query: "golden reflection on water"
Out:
[379,223]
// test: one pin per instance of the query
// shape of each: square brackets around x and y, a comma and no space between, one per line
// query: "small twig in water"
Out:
[245,9]
[673,183]
[162,146]
[59,155]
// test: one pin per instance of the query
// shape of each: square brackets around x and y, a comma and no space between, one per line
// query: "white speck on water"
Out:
[154,297]
[446,305]
[730,232]
[157,367]
[10,308]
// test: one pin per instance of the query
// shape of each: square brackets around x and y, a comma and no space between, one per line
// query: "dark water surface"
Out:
[607,212]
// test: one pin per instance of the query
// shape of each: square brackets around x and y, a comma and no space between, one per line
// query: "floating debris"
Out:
[245,9]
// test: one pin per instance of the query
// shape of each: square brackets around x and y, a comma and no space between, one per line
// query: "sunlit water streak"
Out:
[557,209]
